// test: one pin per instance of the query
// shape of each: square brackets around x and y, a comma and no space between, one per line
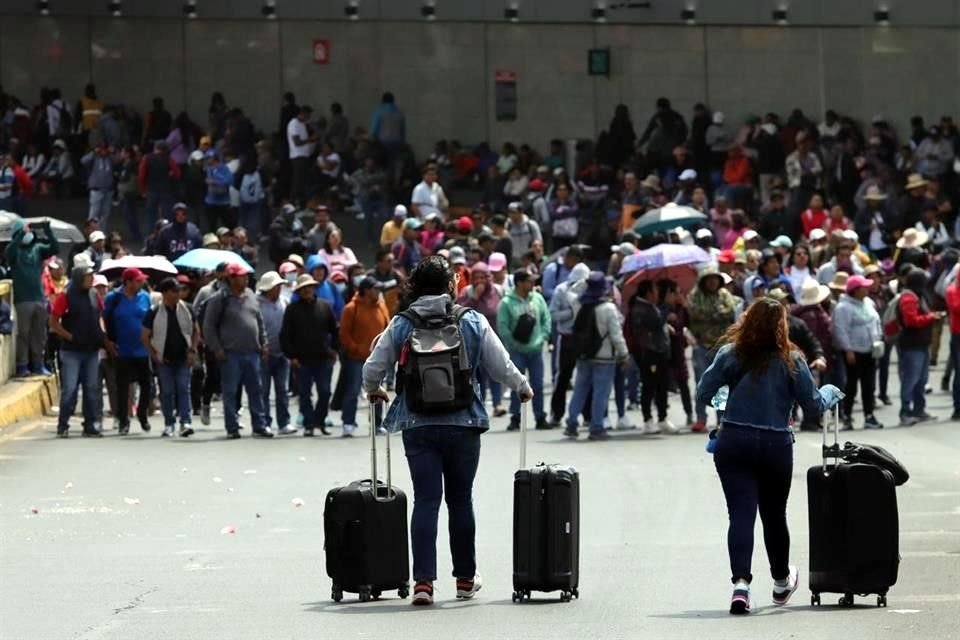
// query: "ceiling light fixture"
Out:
[190,9]
[780,16]
[269,9]
[429,10]
[512,12]
[599,12]
[352,10]
[114,9]
[689,15]
[882,16]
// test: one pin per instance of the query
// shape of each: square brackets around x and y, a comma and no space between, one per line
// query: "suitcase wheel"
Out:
[815,600]
[882,601]
[336,594]
[846,600]
[518,596]
[365,594]
[564,596]
[576,593]
[403,591]
[376,594]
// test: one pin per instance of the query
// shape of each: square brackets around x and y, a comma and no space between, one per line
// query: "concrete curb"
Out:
[26,398]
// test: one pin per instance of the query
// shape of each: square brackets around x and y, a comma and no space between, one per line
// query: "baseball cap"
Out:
[855,282]
[414,223]
[132,273]
[704,233]
[624,248]
[288,209]
[211,153]
[183,279]
[100,281]
[96,236]
[295,259]
[687,174]
[537,185]
[750,234]
[727,256]
[399,211]
[464,225]
[236,269]
[457,255]
[818,234]
[784,241]
[497,262]
[515,206]
[180,205]
[368,282]
[287,267]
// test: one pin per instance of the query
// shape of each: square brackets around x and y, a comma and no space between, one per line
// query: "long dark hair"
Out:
[431,277]
[760,333]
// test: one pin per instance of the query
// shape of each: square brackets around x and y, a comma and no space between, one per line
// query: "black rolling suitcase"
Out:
[546,527]
[854,531]
[365,529]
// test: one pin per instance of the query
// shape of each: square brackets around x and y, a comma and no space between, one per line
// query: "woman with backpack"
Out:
[441,430]
[753,452]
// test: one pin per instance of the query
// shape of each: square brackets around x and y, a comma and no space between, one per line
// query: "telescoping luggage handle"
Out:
[390,494]
[833,450]
[523,435]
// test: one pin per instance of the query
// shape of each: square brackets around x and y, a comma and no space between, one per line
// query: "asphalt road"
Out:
[128,541]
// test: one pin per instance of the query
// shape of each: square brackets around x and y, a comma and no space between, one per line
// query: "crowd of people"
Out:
[848,226]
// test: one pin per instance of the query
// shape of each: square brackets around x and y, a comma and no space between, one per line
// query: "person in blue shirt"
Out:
[557,272]
[317,267]
[123,311]
[765,374]
[388,124]
[217,201]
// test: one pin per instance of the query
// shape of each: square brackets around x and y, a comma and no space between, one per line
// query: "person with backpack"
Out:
[171,335]
[75,319]
[238,346]
[648,325]
[916,321]
[563,311]
[124,309]
[523,322]
[600,347]
[441,430]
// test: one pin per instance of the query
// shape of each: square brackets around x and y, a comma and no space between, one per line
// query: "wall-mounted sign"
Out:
[505,95]
[598,62]
[321,51]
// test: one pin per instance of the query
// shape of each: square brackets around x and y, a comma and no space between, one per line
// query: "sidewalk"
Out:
[26,398]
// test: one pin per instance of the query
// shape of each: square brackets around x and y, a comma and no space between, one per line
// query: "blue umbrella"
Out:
[208,259]
[664,255]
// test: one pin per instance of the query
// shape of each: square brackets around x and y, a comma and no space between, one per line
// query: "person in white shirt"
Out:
[301,144]
[428,196]
[328,161]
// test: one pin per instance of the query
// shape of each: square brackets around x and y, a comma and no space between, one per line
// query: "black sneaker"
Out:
[266,432]
[123,430]
[323,430]
[543,424]
[925,417]
[186,431]
[63,431]
[599,435]
[871,422]
[514,425]
[571,432]
[885,399]
[953,418]
[168,431]
[945,385]
[308,432]
[91,433]
[233,435]
[555,422]
[145,426]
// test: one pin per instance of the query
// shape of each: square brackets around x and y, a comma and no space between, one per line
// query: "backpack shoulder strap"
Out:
[412,317]
[459,311]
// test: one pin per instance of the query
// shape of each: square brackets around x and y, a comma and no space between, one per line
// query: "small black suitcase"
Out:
[365,530]
[854,530]
[546,528]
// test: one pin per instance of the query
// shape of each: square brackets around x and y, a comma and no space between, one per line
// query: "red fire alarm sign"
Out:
[321,51]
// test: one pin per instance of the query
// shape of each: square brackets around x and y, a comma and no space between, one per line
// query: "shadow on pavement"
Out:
[388,605]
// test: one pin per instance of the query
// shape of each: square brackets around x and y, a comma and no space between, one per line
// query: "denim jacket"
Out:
[761,401]
[483,348]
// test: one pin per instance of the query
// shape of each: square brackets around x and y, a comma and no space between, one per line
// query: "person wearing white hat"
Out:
[275,370]
[874,223]
[393,228]
[96,250]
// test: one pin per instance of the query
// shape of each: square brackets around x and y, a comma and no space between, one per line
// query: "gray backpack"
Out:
[435,375]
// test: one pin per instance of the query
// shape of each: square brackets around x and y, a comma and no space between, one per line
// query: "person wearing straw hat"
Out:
[910,248]
[875,223]
[912,203]
[857,335]
[275,370]
[313,358]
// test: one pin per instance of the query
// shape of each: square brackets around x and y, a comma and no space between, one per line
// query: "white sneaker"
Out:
[650,427]
[624,424]
[464,593]
[348,430]
[666,425]
[782,592]
[381,431]
[288,430]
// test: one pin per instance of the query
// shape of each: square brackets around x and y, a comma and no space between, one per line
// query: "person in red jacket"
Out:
[738,176]
[953,310]
[913,348]
[815,217]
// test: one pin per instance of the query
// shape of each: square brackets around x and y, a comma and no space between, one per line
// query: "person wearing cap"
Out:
[705,239]
[239,346]
[457,257]
[96,250]
[313,358]
[389,282]
[317,235]
[522,230]
[24,256]
[392,229]
[619,253]
[275,370]
[301,143]
[100,167]
[407,251]
[364,318]
[75,318]
[523,323]
[180,236]
[875,223]
[712,310]
[497,262]
[428,195]
[432,236]
[458,233]
[171,335]
[124,309]
[484,296]
[216,203]
[156,177]
[856,335]
[932,224]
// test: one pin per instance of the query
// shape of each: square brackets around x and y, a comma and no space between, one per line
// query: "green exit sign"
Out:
[598,62]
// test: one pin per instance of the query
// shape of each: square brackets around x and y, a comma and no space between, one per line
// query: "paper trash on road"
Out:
[297,502]
[217,479]
[68,486]
[132,500]
[250,472]
[34,510]
[229,529]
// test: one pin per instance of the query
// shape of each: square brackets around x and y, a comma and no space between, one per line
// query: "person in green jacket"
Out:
[25,255]
[523,322]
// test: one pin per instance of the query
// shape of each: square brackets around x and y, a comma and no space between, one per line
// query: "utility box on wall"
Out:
[505,95]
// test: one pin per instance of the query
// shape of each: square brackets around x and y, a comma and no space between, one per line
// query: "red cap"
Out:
[464,225]
[537,185]
[183,278]
[235,269]
[727,256]
[132,273]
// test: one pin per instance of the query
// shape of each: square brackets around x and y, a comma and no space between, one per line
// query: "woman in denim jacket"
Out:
[766,374]
[442,450]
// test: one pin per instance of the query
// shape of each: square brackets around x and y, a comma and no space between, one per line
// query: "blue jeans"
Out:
[914,368]
[157,202]
[250,219]
[351,377]
[175,392]
[101,202]
[702,359]
[595,377]
[530,364]
[308,376]
[242,369]
[276,370]
[443,458]
[79,368]
[755,467]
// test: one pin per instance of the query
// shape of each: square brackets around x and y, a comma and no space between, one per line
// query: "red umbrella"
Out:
[683,274]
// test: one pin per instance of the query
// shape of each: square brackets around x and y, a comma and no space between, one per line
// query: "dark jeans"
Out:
[883,369]
[275,372]
[300,166]
[755,467]
[655,378]
[175,393]
[133,371]
[442,457]
[79,369]
[567,362]
[242,370]
[914,369]
[863,370]
[211,383]
[158,205]
[133,221]
[351,377]
[317,374]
